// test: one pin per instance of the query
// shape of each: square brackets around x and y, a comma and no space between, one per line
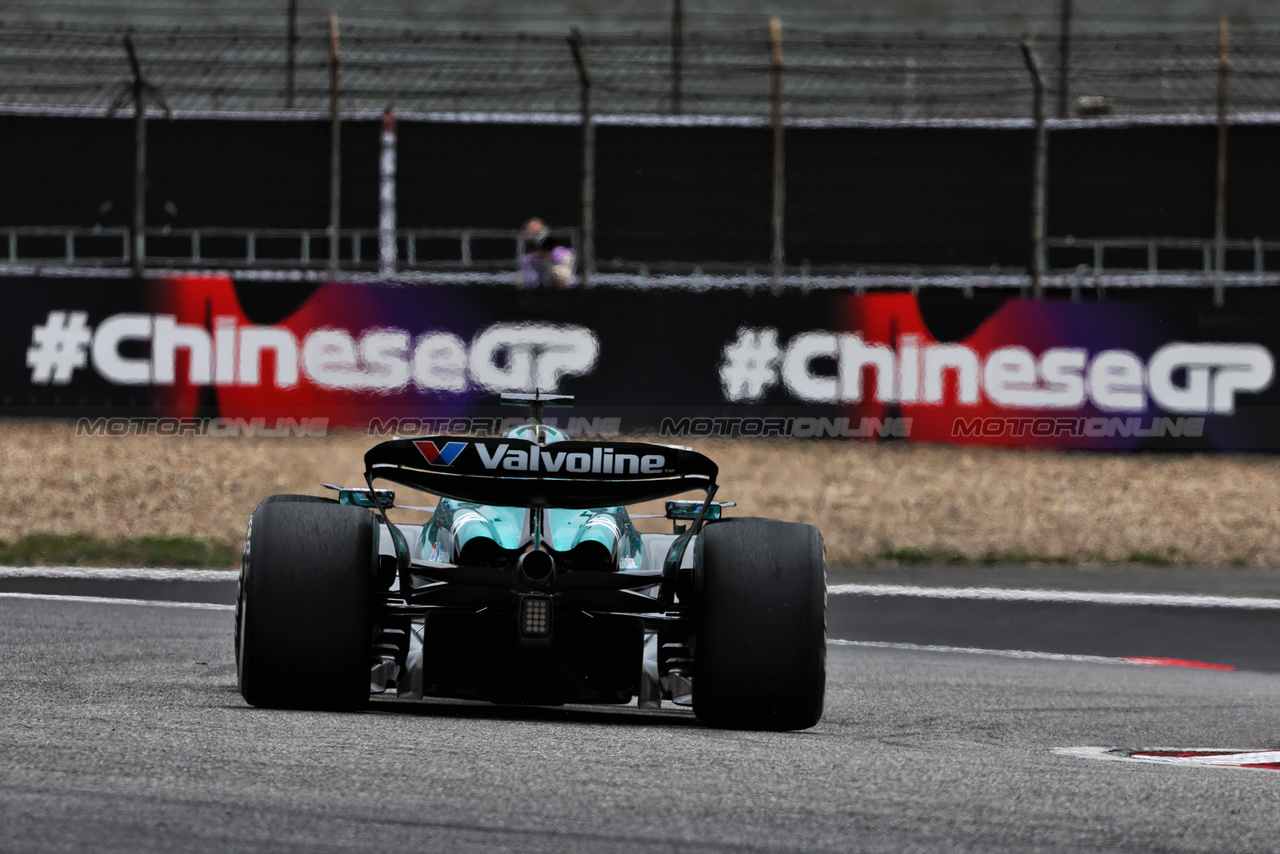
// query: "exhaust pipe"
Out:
[536,569]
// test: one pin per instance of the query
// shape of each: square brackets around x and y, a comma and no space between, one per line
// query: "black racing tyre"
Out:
[288,497]
[760,644]
[295,498]
[304,614]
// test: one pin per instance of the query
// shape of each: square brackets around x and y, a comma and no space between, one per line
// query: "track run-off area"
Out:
[967,710]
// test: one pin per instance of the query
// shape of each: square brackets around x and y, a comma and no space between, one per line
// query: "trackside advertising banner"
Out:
[209,354]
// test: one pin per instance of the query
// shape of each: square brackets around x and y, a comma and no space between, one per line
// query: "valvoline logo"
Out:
[437,456]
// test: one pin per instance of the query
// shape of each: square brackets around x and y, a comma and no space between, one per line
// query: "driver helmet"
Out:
[527,431]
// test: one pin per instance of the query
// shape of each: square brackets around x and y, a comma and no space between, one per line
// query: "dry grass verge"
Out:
[870,501]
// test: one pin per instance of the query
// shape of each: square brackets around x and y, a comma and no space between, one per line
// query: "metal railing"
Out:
[478,254]
[1144,254]
[359,249]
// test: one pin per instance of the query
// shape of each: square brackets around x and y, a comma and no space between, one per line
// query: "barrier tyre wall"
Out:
[303,617]
[760,649]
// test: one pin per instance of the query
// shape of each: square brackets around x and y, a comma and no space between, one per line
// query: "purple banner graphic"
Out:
[429,360]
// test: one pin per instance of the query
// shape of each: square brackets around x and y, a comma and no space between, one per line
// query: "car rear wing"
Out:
[520,473]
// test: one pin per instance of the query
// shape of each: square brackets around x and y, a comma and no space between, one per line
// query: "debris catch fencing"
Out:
[718,73]
[811,215]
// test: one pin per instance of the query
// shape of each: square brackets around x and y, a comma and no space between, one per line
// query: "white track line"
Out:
[1001,594]
[992,594]
[106,600]
[968,650]
[1005,653]
[1132,661]
[118,573]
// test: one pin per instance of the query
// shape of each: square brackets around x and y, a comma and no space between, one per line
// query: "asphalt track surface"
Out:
[121,729]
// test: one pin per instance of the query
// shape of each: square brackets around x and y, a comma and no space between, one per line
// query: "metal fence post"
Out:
[588,157]
[136,252]
[777,255]
[1220,201]
[137,91]
[1039,178]
[335,142]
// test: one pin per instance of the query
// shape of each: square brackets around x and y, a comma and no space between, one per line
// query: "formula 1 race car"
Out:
[530,584]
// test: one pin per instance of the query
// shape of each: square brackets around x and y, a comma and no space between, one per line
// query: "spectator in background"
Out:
[546,263]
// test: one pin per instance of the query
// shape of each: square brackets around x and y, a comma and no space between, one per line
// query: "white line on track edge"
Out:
[974,593]
[1001,594]
[1003,653]
[115,573]
[105,600]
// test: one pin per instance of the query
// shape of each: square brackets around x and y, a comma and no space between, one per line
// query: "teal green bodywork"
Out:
[611,527]
[455,523]
[460,521]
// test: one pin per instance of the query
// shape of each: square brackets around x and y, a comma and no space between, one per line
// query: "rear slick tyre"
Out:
[297,498]
[303,616]
[760,659]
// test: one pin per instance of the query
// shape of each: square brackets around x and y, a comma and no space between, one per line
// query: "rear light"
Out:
[535,617]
